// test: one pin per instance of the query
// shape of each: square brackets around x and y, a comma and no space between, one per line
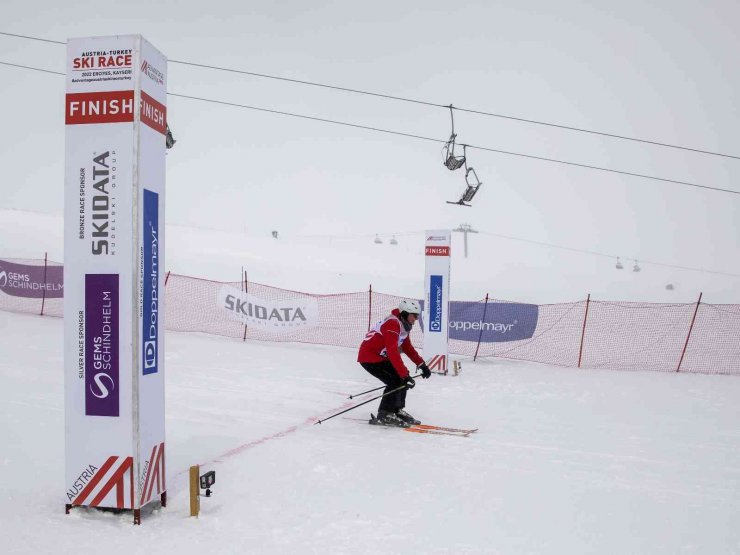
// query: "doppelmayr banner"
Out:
[437,296]
[492,322]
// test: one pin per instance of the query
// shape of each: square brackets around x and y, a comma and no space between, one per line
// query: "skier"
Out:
[380,355]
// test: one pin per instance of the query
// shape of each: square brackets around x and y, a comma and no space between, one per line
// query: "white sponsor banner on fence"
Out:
[114,219]
[283,316]
[437,298]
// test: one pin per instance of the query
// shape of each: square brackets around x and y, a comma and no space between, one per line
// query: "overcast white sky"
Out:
[662,70]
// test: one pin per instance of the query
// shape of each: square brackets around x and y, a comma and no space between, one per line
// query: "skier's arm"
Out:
[390,330]
[408,348]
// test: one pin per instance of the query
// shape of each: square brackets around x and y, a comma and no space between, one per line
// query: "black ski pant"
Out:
[385,372]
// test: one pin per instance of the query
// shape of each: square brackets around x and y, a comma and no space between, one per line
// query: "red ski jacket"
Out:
[385,341]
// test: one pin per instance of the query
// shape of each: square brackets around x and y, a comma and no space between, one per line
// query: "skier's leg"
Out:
[385,372]
[399,400]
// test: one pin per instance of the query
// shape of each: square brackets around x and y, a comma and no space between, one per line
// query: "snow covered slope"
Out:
[565,461]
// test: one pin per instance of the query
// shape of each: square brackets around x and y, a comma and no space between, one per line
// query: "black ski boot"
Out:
[388,419]
[406,417]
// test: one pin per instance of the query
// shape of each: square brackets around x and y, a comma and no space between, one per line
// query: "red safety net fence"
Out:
[682,337]
[628,336]
[197,305]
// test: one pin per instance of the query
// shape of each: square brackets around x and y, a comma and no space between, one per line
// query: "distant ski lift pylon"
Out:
[451,161]
[472,182]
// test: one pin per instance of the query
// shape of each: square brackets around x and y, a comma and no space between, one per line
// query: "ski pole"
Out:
[360,404]
[371,390]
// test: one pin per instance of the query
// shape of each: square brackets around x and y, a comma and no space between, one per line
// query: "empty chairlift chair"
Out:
[472,185]
[451,161]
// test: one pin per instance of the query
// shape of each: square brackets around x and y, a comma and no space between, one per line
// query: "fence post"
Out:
[246,286]
[583,332]
[43,289]
[691,327]
[370,307]
[166,277]
[480,335]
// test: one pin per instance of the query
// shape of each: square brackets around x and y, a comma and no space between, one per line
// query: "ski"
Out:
[429,427]
[417,430]
[445,429]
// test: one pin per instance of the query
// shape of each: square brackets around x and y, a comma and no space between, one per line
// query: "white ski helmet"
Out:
[410,306]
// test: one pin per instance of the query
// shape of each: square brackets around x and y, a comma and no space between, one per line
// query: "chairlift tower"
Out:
[465,229]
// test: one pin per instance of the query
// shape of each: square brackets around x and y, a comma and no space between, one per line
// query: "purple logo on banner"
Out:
[492,323]
[101,345]
[34,282]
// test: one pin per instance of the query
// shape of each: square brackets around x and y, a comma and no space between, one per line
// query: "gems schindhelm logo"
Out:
[103,389]
[102,395]
[31,281]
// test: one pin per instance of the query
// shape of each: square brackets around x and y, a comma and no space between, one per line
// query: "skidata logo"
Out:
[286,315]
[150,323]
[435,303]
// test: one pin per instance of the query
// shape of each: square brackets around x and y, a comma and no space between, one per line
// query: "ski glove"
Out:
[410,383]
[425,371]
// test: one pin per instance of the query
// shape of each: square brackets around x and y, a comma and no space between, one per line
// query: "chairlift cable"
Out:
[522,240]
[467,110]
[32,38]
[605,255]
[33,68]
[421,102]
[420,137]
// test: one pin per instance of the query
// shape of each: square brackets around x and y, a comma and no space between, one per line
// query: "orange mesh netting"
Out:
[613,335]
